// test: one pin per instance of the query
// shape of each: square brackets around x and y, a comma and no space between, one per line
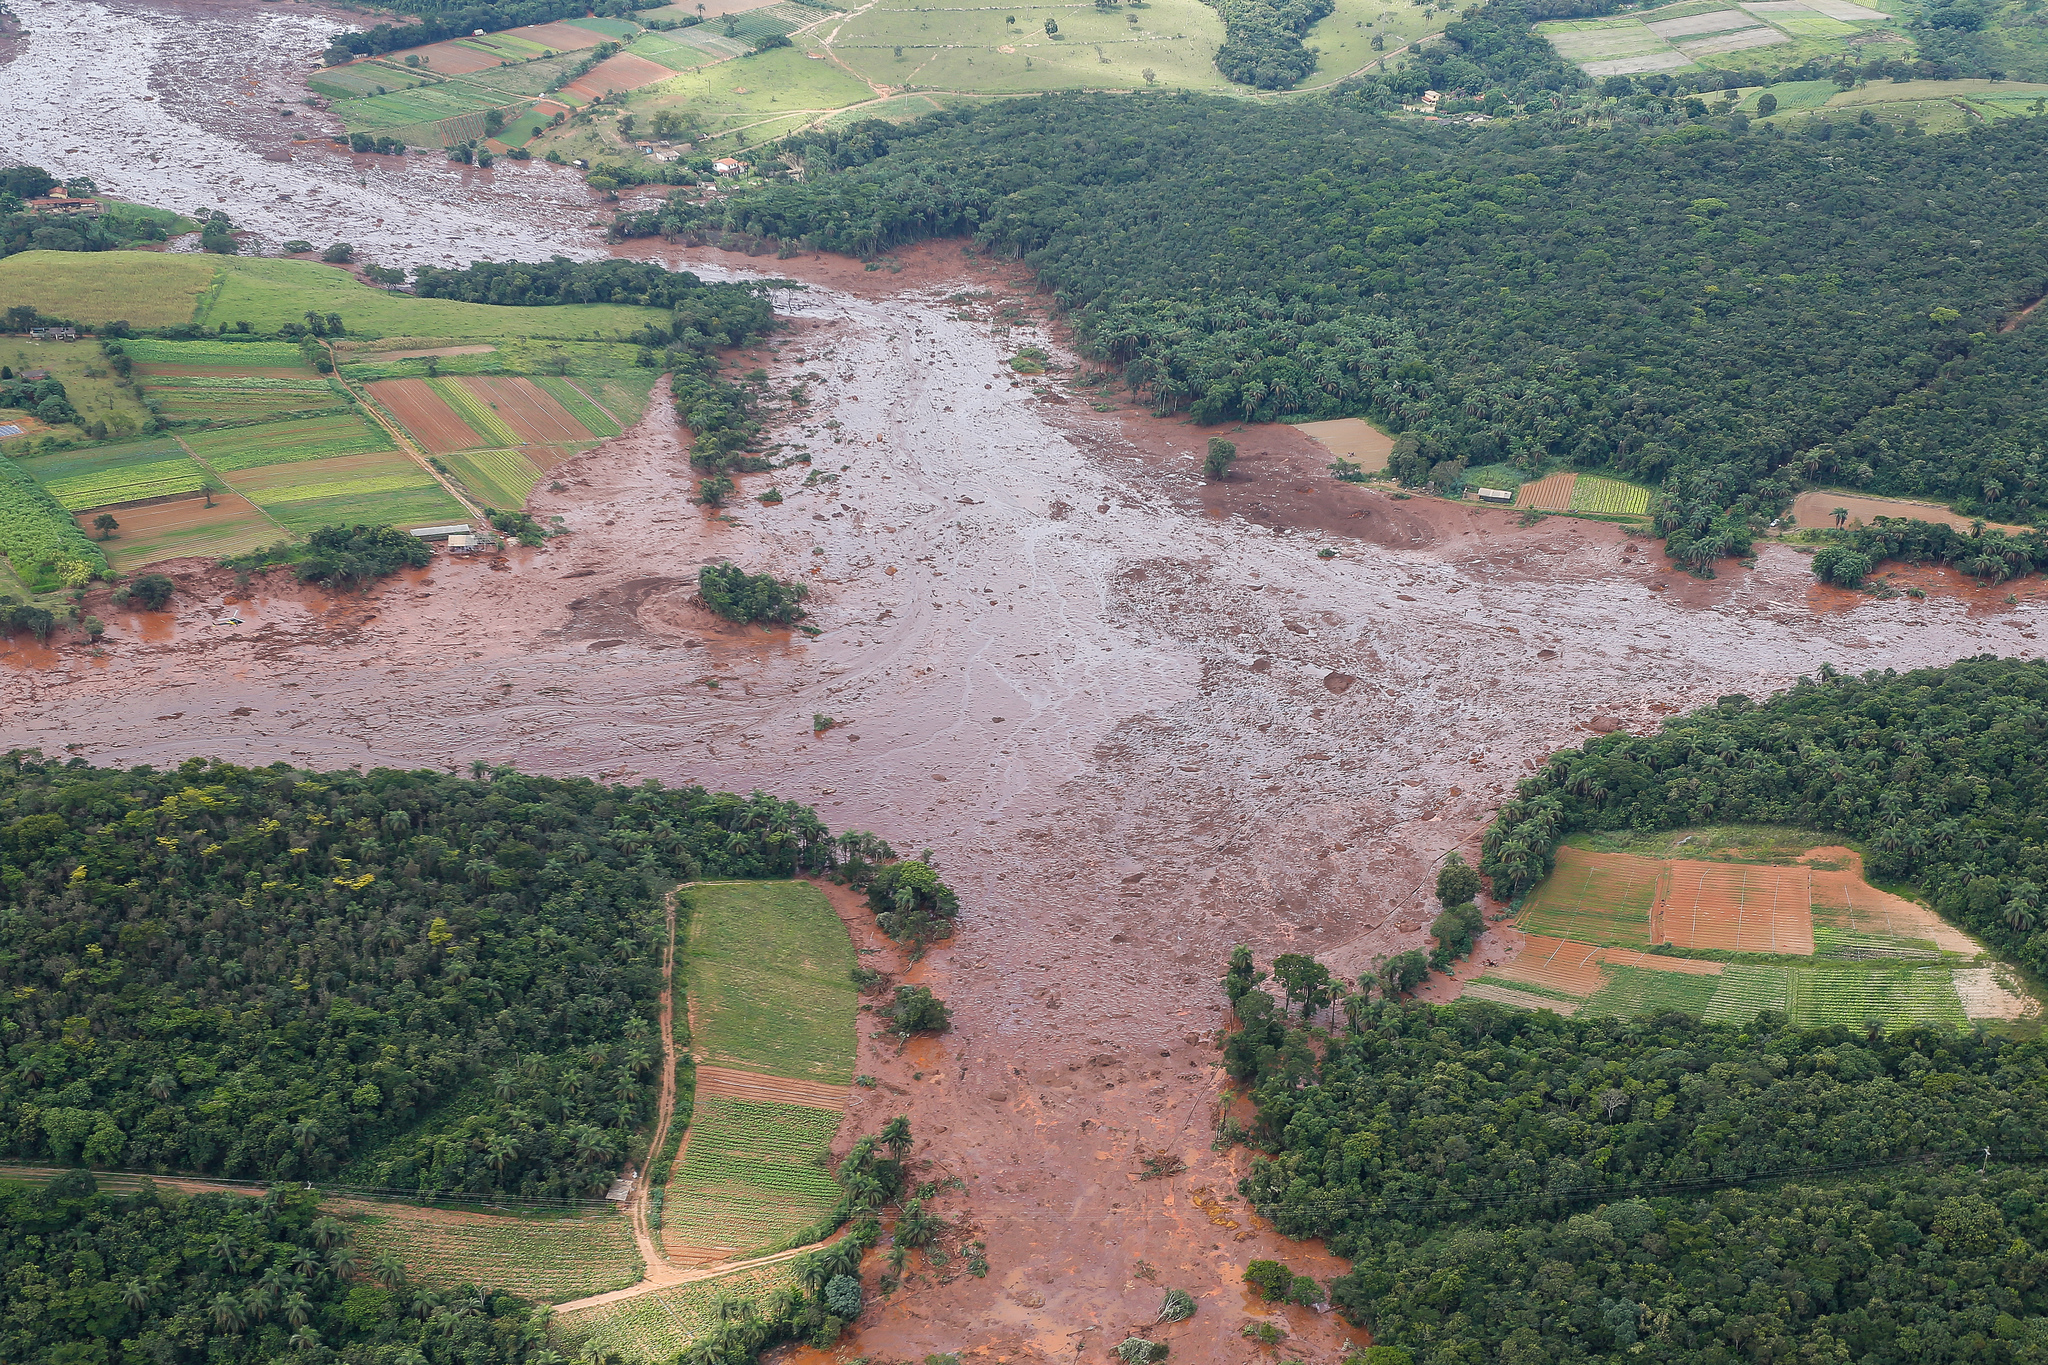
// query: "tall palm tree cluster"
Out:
[156,1278]
[1939,770]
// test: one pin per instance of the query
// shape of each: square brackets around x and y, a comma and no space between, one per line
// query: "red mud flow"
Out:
[1135,715]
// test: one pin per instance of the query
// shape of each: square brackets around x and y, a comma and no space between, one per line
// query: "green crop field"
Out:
[593,417]
[1641,990]
[549,1259]
[102,475]
[1744,988]
[377,489]
[36,535]
[365,78]
[146,288]
[1822,996]
[281,355]
[276,443]
[656,1327]
[768,968]
[1590,493]
[500,478]
[269,293]
[422,104]
[623,395]
[753,1175]
[478,412]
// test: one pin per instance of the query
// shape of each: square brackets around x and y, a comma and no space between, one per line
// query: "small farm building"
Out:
[1500,495]
[460,528]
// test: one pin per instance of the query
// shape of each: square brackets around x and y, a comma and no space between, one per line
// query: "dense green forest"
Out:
[1988,554]
[705,315]
[1719,306]
[439,19]
[397,979]
[156,1278]
[1940,771]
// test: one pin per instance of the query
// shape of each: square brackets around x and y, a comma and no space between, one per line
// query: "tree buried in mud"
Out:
[737,595]
[1216,464]
[912,905]
[341,557]
[917,1010]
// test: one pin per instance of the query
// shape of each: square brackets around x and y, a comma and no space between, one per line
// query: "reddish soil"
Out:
[529,410]
[622,71]
[449,58]
[748,1085]
[425,414]
[1135,715]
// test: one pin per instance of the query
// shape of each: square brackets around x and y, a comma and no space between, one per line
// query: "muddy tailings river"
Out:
[1135,716]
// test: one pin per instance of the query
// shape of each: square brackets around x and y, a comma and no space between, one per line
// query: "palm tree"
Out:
[135,1296]
[896,1136]
[327,1232]
[500,1151]
[388,1271]
[1840,514]
[227,1312]
[225,1248]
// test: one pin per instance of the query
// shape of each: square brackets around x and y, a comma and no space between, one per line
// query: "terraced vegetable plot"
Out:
[1922,995]
[656,1327]
[115,474]
[550,1259]
[579,405]
[753,1174]
[1598,898]
[478,412]
[501,478]
[1610,497]
[276,443]
[1744,989]
[238,398]
[229,355]
[34,532]
[767,965]
[1637,990]
[378,489]
[424,411]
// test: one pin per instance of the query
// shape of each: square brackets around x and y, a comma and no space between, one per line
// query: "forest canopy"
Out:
[392,979]
[1726,308]
[155,1278]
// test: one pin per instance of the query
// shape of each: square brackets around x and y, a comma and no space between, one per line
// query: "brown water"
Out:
[1134,715]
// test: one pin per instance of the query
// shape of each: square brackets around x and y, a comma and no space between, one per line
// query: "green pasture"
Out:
[228,530]
[778,84]
[959,49]
[269,293]
[146,288]
[421,503]
[1342,40]
[768,968]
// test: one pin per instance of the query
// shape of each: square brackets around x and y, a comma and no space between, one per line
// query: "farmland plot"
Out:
[580,406]
[379,489]
[549,1259]
[1610,497]
[423,410]
[1551,493]
[655,1327]
[185,528]
[753,1175]
[1631,991]
[533,414]
[275,443]
[501,478]
[478,412]
[108,475]
[229,356]
[1597,898]
[767,965]
[1744,989]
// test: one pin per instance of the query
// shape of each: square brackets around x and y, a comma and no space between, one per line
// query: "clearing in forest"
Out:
[769,966]
[1721,923]
[656,1327]
[1351,438]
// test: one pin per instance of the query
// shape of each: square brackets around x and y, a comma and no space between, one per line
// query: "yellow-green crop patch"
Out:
[276,443]
[378,489]
[655,1327]
[579,404]
[768,966]
[268,293]
[753,1175]
[146,288]
[549,1259]
[478,412]
[104,475]
[1609,497]
[501,478]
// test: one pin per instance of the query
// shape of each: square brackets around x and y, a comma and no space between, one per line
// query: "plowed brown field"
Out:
[1557,963]
[423,413]
[449,59]
[622,72]
[1551,493]
[1737,906]
[529,410]
[560,37]
[747,1085]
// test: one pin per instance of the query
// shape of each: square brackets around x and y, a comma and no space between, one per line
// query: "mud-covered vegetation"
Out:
[227,1280]
[342,557]
[1937,771]
[1988,554]
[405,979]
[737,595]
[1719,306]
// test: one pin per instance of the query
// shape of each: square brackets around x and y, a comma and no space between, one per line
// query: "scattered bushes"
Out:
[342,557]
[152,591]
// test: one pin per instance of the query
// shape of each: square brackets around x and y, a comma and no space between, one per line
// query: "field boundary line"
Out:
[404,441]
[228,484]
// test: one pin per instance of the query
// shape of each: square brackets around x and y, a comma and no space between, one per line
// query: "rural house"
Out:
[70,205]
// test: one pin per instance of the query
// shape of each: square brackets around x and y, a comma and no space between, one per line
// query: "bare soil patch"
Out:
[1815,508]
[748,1085]
[1739,907]
[1551,493]
[623,71]
[426,415]
[529,410]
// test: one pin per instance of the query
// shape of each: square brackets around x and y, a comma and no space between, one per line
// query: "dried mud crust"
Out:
[1132,732]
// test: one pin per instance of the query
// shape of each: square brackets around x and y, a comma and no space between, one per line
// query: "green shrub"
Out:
[737,595]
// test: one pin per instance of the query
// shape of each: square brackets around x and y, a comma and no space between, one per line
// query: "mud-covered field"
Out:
[1136,717]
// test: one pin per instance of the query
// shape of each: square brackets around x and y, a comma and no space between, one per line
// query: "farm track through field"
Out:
[405,443]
